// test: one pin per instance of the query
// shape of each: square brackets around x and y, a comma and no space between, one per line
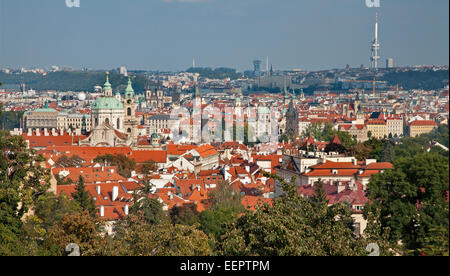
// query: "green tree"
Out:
[80,228]
[145,205]
[124,164]
[84,199]
[292,227]
[360,151]
[135,237]
[225,196]
[148,167]
[22,181]
[213,221]
[185,214]
[411,198]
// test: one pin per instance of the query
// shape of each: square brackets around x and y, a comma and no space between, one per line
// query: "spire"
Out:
[129,92]
[107,90]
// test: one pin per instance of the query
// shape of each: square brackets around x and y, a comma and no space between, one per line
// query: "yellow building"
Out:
[419,127]
[377,128]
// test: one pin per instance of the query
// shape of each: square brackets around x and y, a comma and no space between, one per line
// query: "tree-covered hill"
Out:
[427,80]
[218,73]
[71,81]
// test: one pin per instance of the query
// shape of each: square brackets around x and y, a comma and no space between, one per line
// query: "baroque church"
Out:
[154,98]
[114,121]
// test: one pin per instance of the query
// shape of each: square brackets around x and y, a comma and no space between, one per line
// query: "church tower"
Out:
[107,89]
[130,121]
[292,120]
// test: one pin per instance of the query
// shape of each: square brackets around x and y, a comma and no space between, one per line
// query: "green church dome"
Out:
[107,103]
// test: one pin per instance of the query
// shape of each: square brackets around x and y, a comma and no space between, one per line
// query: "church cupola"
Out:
[129,92]
[107,89]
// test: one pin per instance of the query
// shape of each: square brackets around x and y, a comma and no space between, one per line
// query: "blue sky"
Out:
[167,34]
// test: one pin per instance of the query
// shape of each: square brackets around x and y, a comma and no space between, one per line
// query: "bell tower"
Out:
[130,122]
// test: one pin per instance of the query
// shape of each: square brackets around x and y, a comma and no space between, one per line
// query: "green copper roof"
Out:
[129,92]
[107,103]
[45,108]
[107,85]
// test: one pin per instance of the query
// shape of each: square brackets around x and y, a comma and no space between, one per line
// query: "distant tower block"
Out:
[390,63]
[193,62]
[267,64]
[257,67]
[375,46]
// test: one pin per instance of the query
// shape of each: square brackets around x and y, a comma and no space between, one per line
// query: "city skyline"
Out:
[168,35]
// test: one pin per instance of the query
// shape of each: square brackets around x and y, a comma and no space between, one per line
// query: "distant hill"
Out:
[426,80]
[218,73]
[71,81]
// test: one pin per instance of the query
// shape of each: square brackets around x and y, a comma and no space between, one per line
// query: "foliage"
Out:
[360,151]
[10,119]
[218,73]
[124,164]
[293,226]
[186,214]
[22,181]
[225,196]
[213,221]
[73,81]
[148,207]
[436,244]
[411,198]
[135,237]
[427,80]
[63,180]
[225,205]
[326,132]
[148,167]
[80,228]
[84,199]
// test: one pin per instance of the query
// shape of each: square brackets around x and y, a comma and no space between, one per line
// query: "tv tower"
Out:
[375,46]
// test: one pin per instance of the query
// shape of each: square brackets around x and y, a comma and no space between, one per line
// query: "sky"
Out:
[168,34]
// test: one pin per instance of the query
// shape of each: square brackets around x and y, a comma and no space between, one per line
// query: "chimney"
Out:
[61,132]
[30,132]
[355,162]
[98,189]
[115,192]
[54,132]
[247,168]
[125,209]
[341,187]
[45,132]
[38,132]
[69,131]
[102,211]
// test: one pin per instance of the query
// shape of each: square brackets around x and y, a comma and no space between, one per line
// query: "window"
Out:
[118,123]
[129,111]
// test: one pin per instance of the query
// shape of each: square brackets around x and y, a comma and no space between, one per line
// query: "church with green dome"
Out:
[113,120]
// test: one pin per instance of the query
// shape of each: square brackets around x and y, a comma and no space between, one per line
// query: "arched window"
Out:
[129,130]
[118,123]
[107,121]
[129,111]
[96,121]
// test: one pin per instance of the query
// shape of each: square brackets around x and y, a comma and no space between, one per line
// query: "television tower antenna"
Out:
[375,46]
